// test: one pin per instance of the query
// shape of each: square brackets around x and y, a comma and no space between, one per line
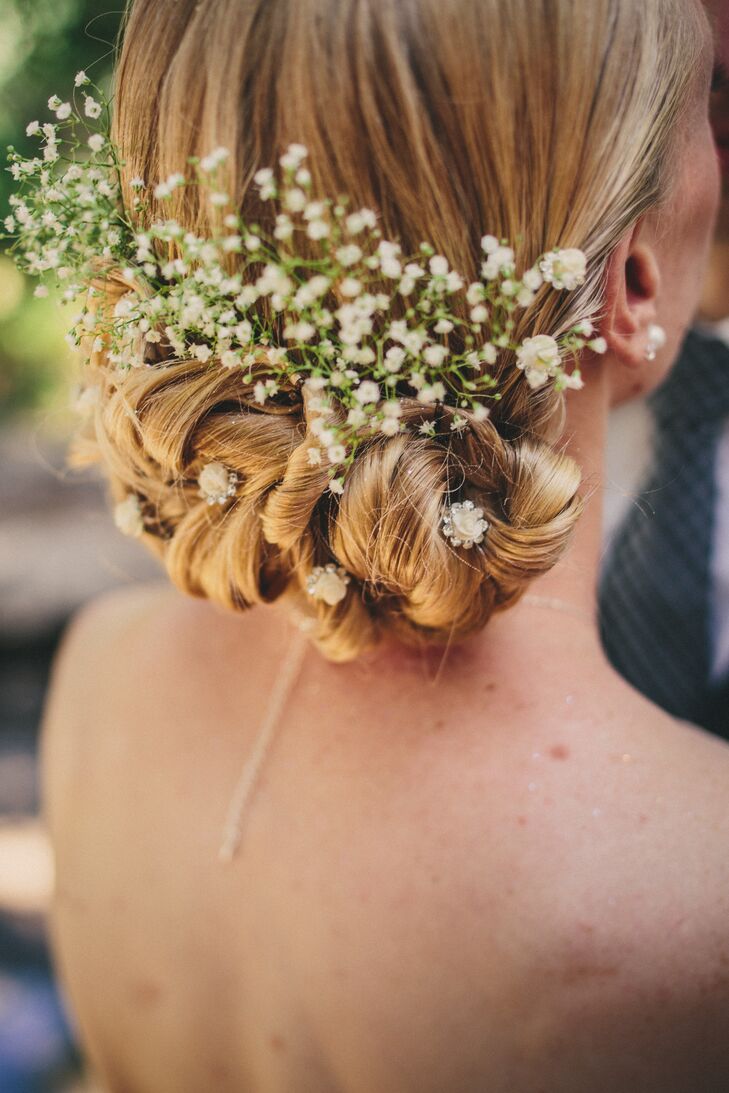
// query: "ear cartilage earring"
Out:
[656,341]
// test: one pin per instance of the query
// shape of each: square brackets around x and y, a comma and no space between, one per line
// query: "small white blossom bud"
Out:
[217,483]
[128,516]
[337,453]
[317,229]
[438,265]
[533,279]
[348,255]
[434,355]
[350,286]
[202,352]
[394,359]
[92,108]
[434,392]
[295,200]
[367,392]
[564,269]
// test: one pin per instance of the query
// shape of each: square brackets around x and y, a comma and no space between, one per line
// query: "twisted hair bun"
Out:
[156,428]
[389,101]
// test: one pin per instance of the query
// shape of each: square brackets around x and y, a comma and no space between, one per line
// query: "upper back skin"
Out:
[465,887]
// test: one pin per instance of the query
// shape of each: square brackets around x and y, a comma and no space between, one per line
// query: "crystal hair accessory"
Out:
[656,340]
[316,307]
[328,583]
[464,524]
[217,483]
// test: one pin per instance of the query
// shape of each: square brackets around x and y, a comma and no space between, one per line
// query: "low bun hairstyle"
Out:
[527,120]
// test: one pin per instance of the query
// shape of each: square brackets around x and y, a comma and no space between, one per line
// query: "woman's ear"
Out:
[631,292]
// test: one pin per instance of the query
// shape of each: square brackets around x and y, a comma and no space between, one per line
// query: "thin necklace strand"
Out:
[285,680]
[555,604]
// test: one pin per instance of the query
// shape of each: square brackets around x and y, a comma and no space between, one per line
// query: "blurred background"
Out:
[58,545]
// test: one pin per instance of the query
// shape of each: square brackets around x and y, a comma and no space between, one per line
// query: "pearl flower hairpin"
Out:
[217,483]
[328,583]
[464,524]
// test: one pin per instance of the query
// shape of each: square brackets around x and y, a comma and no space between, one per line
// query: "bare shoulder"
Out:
[129,659]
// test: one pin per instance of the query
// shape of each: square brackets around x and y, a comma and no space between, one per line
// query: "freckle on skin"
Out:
[559,751]
[277,1042]
[521,820]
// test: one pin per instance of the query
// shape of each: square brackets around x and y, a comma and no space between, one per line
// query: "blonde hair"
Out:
[550,124]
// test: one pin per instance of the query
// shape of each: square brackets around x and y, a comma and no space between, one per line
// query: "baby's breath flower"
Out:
[81,79]
[564,269]
[352,362]
[128,516]
[432,392]
[434,355]
[533,279]
[318,229]
[348,255]
[367,392]
[295,200]
[92,108]
[217,483]
[438,265]
[539,358]
[357,222]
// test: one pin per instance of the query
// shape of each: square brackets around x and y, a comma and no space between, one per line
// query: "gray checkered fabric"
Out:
[655,590]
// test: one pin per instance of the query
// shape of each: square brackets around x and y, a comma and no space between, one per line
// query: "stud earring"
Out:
[656,341]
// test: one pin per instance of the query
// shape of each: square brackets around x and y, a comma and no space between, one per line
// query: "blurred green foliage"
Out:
[43,43]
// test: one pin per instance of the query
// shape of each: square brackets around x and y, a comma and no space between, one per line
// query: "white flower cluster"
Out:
[352,330]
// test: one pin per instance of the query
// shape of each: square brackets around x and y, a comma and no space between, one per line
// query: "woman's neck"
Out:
[563,602]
